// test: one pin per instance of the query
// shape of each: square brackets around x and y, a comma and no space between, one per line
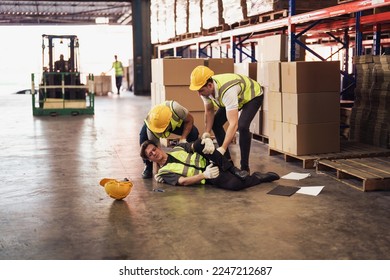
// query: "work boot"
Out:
[245,168]
[266,177]
[148,171]
[240,174]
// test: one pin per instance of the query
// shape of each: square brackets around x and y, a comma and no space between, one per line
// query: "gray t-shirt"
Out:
[179,110]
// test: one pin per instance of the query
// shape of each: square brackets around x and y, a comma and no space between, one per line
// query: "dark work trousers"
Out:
[143,136]
[118,82]
[226,179]
[248,112]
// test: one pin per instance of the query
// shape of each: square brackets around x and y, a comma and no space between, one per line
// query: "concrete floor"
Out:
[52,206]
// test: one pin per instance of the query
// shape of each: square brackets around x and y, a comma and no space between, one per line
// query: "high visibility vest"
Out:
[118,68]
[175,122]
[190,164]
[249,88]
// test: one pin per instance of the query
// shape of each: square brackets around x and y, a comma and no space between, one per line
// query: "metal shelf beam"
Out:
[326,13]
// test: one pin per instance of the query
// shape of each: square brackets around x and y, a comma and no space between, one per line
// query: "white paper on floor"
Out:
[312,190]
[296,176]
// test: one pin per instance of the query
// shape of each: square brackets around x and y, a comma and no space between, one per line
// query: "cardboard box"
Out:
[183,95]
[219,65]
[274,75]
[262,74]
[247,69]
[264,123]
[307,108]
[199,120]
[256,124]
[154,94]
[265,105]
[174,71]
[275,48]
[275,106]
[306,139]
[275,139]
[103,85]
[311,76]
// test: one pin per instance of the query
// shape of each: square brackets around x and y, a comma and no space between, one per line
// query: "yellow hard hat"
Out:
[118,189]
[159,118]
[199,77]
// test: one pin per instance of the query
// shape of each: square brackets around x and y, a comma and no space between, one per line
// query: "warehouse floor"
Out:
[52,206]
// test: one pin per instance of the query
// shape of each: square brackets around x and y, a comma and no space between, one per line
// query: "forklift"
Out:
[60,90]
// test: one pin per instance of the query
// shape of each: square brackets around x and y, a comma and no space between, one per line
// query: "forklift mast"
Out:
[49,40]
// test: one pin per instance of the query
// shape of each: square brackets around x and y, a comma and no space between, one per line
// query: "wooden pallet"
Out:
[262,138]
[216,29]
[365,174]
[307,161]
[272,16]
[347,150]
[245,22]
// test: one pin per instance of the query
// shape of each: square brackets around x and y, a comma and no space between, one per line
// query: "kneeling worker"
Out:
[162,120]
[188,164]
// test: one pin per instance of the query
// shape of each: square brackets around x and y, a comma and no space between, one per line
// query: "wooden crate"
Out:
[365,174]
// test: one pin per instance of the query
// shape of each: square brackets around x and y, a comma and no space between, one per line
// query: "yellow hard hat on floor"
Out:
[199,77]
[116,189]
[159,118]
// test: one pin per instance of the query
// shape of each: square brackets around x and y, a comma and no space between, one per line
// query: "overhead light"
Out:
[102,20]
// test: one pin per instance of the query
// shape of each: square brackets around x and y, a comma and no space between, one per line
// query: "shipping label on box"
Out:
[306,139]
[311,76]
[306,108]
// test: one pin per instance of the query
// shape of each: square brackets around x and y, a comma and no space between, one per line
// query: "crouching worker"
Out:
[200,163]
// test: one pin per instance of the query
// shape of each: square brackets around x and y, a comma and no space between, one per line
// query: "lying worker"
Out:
[187,164]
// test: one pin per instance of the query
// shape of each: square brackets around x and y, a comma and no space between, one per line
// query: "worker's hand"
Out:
[211,172]
[221,150]
[182,141]
[206,135]
[158,178]
[208,146]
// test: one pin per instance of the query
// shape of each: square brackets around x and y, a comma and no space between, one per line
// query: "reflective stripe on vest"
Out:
[191,164]
[249,87]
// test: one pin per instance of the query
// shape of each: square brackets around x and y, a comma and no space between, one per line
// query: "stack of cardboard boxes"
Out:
[310,109]
[271,52]
[370,117]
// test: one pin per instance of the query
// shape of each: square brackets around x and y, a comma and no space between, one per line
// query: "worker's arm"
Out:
[209,116]
[175,179]
[232,117]
[188,123]
[192,180]
[211,172]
